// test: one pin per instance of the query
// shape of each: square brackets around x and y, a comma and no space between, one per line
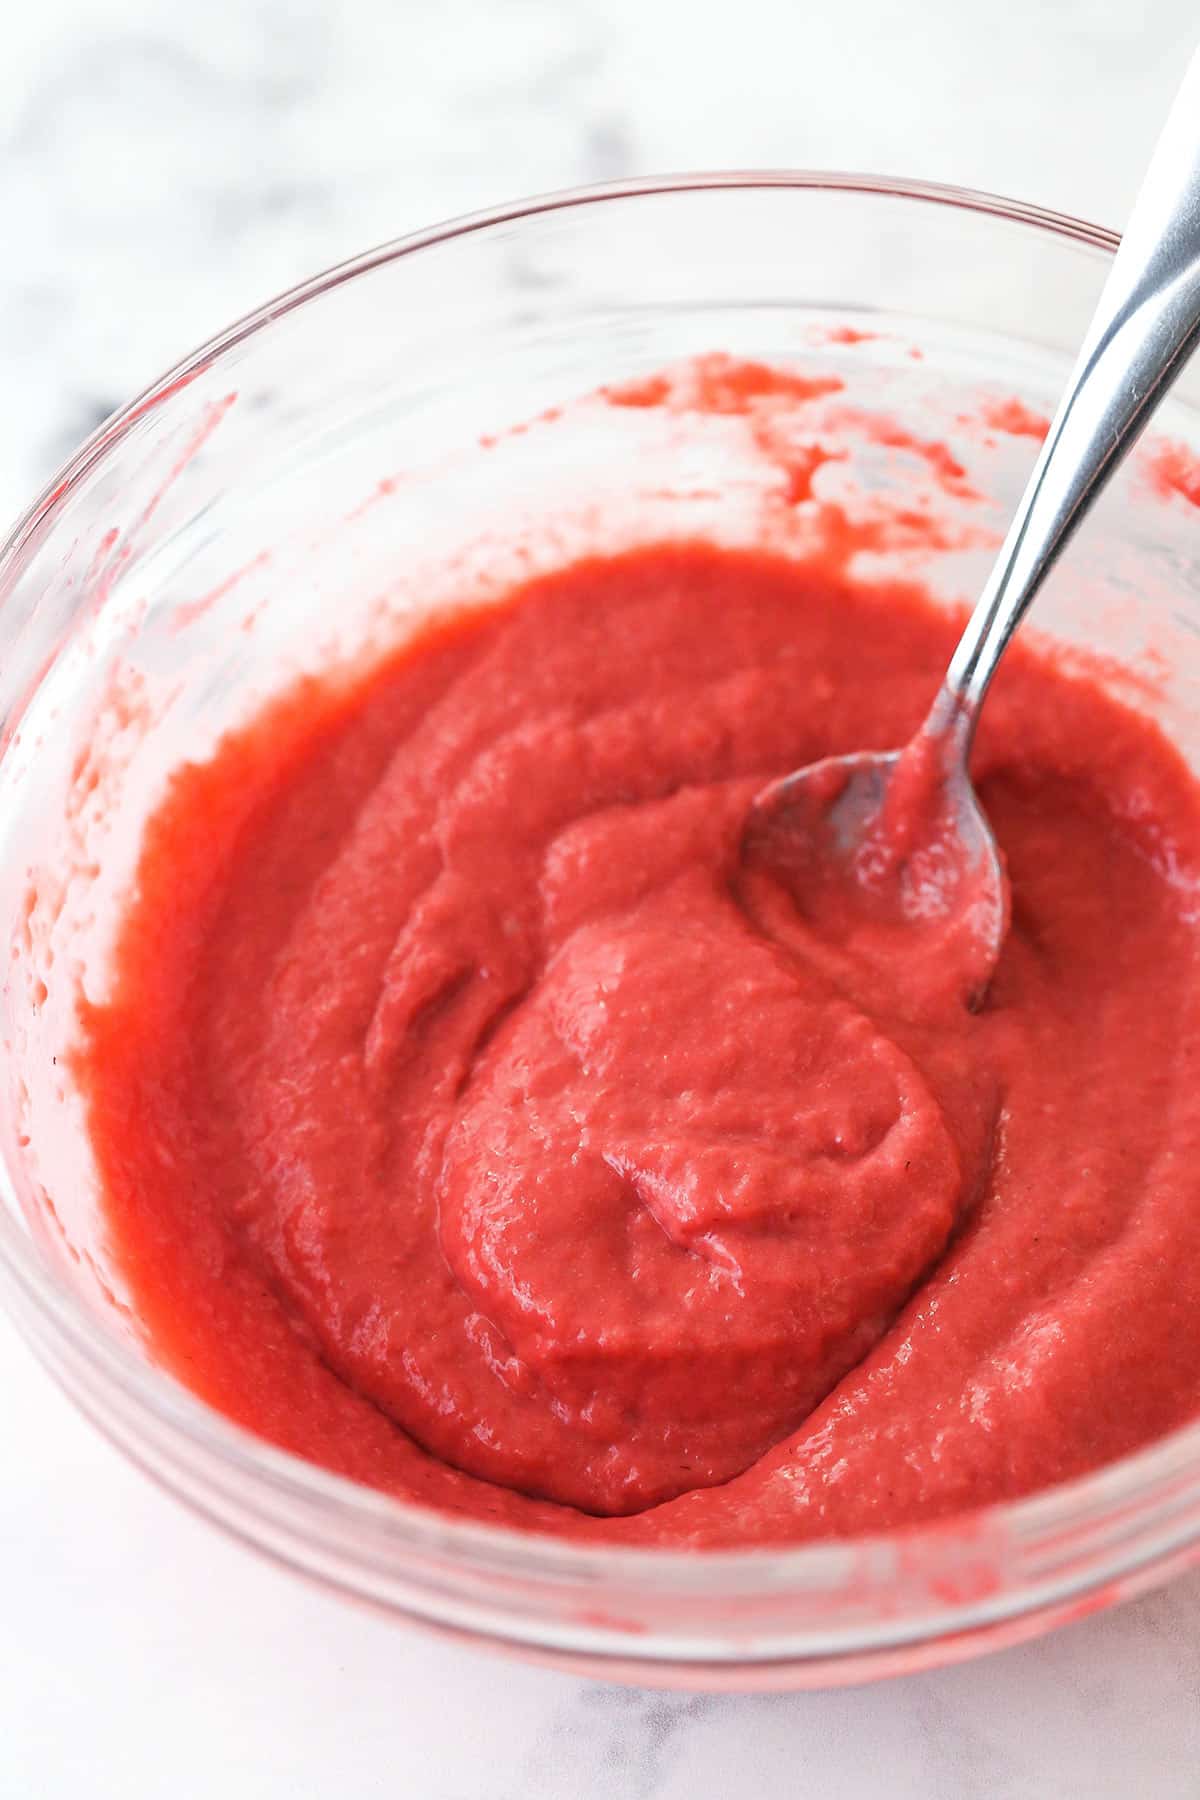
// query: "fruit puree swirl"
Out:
[475,1120]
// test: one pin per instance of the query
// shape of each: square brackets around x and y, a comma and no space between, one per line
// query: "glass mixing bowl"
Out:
[325,474]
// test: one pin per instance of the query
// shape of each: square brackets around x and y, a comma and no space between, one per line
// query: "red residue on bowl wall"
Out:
[1172,470]
[889,434]
[769,399]
[719,383]
[849,334]
[1015,418]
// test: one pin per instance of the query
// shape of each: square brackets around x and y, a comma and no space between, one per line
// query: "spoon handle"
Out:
[1145,327]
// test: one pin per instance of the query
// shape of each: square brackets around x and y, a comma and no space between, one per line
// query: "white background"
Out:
[161,170]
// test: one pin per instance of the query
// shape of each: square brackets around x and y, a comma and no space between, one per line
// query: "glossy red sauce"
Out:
[474,1122]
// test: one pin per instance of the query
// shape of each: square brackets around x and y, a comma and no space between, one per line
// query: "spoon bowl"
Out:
[890,848]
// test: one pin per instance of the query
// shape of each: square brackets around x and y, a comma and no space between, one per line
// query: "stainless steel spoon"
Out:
[901,832]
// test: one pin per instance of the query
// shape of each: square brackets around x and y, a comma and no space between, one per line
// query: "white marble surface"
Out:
[161,169]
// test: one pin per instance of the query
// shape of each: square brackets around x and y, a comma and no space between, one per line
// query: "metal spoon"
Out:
[898,838]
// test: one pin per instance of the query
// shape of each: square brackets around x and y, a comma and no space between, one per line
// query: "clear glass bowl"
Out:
[312,479]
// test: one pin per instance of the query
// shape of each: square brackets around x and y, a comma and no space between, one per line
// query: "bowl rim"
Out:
[409,1526]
